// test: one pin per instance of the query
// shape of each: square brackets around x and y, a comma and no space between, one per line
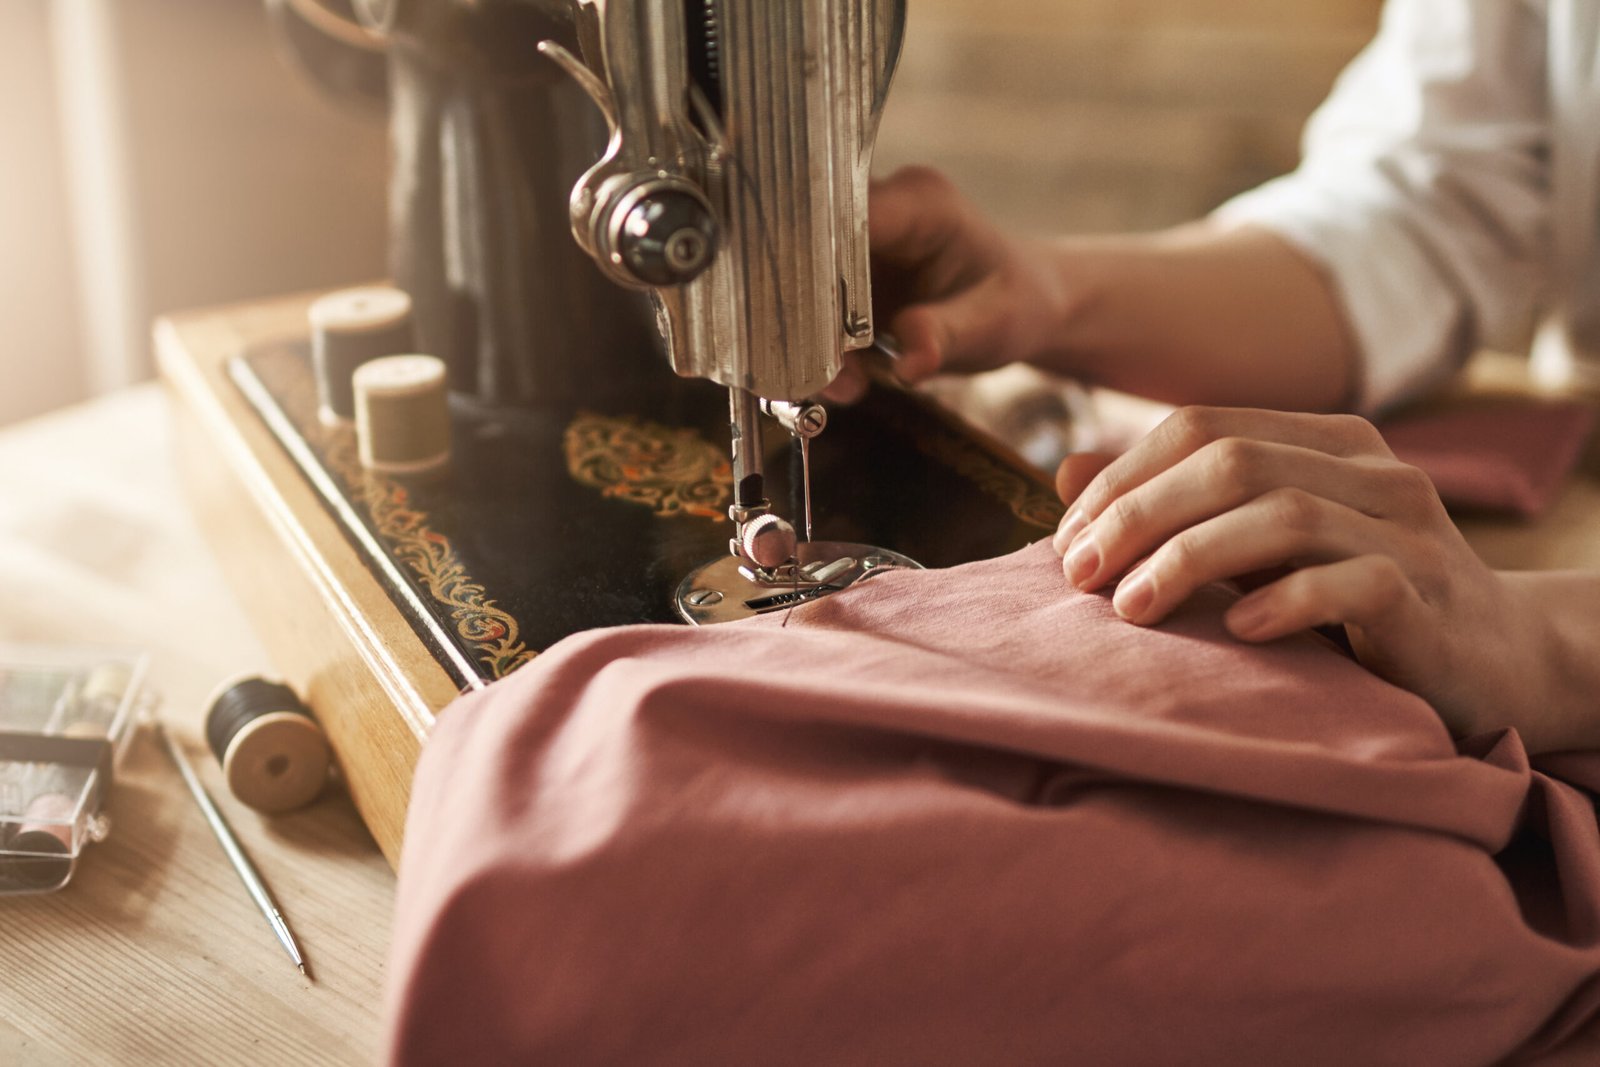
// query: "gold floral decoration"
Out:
[671,470]
[490,633]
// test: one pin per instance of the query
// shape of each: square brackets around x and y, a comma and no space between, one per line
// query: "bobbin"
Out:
[96,706]
[402,414]
[41,847]
[106,685]
[273,754]
[348,328]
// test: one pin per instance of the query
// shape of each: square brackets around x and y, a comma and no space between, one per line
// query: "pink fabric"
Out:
[970,817]
[1500,454]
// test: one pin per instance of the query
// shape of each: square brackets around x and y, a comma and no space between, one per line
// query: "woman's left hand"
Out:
[1215,493]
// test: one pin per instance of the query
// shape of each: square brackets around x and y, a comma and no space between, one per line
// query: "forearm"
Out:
[1561,612]
[1200,315]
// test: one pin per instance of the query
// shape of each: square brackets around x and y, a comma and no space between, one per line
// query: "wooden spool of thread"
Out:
[348,328]
[273,754]
[402,414]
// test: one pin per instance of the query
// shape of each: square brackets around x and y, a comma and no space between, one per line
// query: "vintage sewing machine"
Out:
[595,480]
[734,189]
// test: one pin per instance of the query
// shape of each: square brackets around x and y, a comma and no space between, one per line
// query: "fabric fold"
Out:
[968,816]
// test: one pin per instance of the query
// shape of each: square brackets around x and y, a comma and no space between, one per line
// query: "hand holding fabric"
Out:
[1215,493]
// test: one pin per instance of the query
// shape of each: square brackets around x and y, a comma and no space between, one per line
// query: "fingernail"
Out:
[1134,595]
[1082,559]
[1072,525]
[1249,618]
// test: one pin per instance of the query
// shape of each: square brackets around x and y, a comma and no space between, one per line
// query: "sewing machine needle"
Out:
[805,478]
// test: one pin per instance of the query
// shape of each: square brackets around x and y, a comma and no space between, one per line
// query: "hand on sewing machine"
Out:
[1214,493]
[955,292]
[1198,314]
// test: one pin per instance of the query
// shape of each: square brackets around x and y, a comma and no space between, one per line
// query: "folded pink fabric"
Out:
[1498,454]
[967,816]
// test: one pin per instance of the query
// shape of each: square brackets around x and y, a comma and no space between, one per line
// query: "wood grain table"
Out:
[154,954]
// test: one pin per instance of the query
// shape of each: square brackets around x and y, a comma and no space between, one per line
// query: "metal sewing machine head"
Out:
[734,189]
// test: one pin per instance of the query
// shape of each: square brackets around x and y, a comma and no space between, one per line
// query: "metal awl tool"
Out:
[236,855]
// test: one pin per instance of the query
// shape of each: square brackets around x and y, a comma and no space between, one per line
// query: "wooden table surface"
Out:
[154,954]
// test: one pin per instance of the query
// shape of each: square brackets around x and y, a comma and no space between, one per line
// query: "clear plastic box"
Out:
[66,717]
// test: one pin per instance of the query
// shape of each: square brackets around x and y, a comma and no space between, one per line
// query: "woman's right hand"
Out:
[955,292]
[1197,314]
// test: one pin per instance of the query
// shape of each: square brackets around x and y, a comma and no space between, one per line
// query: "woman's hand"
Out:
[955,292]
[1200,313]
[1215,493]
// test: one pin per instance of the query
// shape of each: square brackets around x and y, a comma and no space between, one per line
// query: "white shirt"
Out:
[1450,189]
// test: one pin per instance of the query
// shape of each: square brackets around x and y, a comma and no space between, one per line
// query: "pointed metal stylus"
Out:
[236,855]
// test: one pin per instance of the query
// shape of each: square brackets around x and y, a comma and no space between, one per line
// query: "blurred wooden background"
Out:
[1104,115]
[157,154]
[235,180]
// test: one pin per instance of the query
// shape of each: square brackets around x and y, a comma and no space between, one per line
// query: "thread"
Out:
[348,329]
[402,414]
[106,685]
[273,754]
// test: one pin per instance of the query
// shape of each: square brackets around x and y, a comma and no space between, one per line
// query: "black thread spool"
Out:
[273,754]
[349,328]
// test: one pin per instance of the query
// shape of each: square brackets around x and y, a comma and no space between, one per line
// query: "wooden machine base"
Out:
[380,598]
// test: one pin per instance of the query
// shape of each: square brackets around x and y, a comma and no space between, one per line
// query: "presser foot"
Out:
[731,588]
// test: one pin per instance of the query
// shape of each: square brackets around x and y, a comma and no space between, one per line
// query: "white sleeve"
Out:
[1423,189]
